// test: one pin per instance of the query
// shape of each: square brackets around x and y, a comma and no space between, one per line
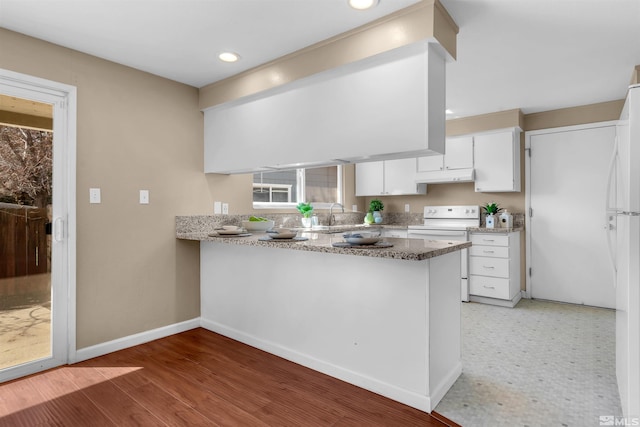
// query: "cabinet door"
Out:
[431,163]
[400,176]
[497,162]
[394,233]
[459,153]
[370,179]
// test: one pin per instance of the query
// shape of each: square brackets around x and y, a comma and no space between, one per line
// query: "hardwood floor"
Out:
[196,378]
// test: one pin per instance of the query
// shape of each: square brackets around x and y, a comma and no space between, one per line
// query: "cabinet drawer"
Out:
[490,239]
[491,287]
[485,266]
[489,251]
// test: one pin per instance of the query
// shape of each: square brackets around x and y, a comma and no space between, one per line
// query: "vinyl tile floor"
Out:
[539,364]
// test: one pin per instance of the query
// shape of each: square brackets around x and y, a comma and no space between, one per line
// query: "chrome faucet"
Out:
[331,216]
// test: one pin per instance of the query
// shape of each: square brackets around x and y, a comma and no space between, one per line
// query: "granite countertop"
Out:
[405,249]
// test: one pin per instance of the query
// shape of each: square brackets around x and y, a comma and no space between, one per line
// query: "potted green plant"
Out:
[491,209]
[306,210]
[374,215]
[376,206]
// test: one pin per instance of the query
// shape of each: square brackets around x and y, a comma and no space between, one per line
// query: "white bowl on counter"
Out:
[362,238]
[258,225]
[282,233]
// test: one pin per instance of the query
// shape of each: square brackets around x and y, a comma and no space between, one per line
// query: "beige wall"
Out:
[135,131]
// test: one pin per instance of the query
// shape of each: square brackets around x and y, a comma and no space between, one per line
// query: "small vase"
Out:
[369,219]
[306,222]
[490,221]
[377,217]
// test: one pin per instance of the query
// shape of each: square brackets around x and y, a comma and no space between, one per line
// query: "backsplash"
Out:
[518,220]
[207,223]
[201,223]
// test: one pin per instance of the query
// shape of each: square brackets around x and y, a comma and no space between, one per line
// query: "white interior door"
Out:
[566,186]
[63,100]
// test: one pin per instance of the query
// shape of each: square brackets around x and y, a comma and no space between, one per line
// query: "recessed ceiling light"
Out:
[362,4]
[228,56]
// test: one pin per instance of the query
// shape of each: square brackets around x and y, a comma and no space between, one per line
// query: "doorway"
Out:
[26,143]
[39,227]
[567,255]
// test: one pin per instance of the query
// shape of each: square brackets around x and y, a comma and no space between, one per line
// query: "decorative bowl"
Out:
[258,225]
[362,238]
[282,233]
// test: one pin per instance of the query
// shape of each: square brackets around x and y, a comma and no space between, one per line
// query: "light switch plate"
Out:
[225,209]
[94,195]
[144,197]
[217,208]
[407,208]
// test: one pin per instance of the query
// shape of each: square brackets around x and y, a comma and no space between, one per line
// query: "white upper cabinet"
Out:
[497,161]
[459,153]
[456,165]
[369,178]
[389,177]
[385,106]
[431,163]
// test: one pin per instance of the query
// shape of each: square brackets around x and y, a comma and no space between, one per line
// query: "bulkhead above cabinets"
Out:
[391,105]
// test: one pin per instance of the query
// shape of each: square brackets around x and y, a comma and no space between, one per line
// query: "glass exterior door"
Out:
[26,147]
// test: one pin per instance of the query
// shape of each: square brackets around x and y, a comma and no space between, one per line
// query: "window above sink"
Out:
[320,186]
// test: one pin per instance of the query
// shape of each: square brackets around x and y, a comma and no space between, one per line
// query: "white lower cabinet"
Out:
[494,268]
[390,232]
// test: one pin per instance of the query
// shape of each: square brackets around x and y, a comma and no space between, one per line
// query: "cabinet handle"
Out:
[488,287]
[488,240]
[488,252]
[488,266]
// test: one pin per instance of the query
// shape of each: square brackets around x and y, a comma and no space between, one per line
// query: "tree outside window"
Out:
[25,166]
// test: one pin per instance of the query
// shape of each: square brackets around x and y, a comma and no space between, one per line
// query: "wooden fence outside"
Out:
[23,241]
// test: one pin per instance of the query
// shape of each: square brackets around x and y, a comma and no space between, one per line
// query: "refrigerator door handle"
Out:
[609,214]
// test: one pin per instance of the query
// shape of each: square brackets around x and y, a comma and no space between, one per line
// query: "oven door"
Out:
[439,234]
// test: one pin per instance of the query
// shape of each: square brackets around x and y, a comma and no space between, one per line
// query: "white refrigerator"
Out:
[623,223]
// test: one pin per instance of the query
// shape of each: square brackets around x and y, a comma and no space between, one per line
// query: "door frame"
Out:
[527,188]
[63,99]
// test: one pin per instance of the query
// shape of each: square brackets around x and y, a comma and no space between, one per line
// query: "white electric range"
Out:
[449,223]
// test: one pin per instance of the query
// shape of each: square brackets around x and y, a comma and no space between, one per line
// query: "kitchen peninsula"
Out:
[385,319]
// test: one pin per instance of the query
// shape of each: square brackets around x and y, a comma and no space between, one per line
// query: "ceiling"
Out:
[536,55]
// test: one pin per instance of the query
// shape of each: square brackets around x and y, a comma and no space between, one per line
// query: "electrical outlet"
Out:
[354,208]
[94,195]
[144,197]
[407,208]
[217,208]
[225,209]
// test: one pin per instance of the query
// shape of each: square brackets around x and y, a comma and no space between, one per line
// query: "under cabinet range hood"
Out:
[387,106]
[444,176]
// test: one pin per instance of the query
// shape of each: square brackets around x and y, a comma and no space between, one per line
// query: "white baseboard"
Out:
[415,400]
[438,392]
[495,301]
[133,340]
